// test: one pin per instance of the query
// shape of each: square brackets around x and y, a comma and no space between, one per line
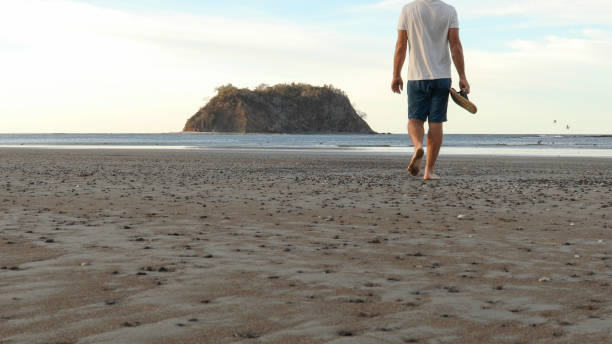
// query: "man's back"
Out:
[427,23]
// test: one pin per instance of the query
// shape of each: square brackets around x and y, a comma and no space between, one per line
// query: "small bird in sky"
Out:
[555,122]
[567,127]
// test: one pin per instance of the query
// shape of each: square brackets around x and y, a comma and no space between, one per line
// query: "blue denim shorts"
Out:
[428,100]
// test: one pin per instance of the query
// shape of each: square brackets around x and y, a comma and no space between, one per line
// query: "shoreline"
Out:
[545,152]
[322,133]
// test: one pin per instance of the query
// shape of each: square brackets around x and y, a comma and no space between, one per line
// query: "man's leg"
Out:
[434,142]
[437,117]
[417,132]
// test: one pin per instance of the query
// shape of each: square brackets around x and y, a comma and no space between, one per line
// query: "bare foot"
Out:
[431,176]
[415,163]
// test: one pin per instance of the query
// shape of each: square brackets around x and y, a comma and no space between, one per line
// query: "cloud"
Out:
[557,78]
[384,4]
[148,71]
[559,12]
[65,21]
[585,11]
[74,67]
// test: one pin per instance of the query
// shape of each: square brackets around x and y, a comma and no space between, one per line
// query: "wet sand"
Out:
[255,247]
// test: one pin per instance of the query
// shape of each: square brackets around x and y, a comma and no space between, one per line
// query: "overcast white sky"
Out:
[129,66]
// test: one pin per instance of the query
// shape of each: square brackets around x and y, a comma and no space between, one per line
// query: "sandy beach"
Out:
[116,246]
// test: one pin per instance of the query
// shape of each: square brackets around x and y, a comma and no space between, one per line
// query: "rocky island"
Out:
[294,108]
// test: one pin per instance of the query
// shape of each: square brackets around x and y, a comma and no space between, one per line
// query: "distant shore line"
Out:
[313,133]
[528,153]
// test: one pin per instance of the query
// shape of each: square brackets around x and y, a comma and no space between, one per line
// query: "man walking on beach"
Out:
[428,27]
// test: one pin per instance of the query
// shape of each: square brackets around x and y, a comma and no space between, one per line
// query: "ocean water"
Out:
[533,145]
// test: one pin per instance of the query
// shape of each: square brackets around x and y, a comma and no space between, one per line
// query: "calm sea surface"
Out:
[533,145]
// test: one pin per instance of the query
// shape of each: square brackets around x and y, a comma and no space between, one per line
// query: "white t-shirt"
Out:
[427,23]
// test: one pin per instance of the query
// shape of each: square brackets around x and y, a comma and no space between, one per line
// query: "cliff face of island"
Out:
[295,108]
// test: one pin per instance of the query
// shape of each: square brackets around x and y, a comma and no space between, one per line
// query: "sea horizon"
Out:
[554,145]
[263,133]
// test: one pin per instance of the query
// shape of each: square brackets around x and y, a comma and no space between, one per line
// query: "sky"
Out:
[146,66]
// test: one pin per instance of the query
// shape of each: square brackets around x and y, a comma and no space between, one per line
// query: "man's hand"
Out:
[397,85]
[464,85]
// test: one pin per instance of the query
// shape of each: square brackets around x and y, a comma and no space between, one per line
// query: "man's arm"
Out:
[457,53]
[397,85]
